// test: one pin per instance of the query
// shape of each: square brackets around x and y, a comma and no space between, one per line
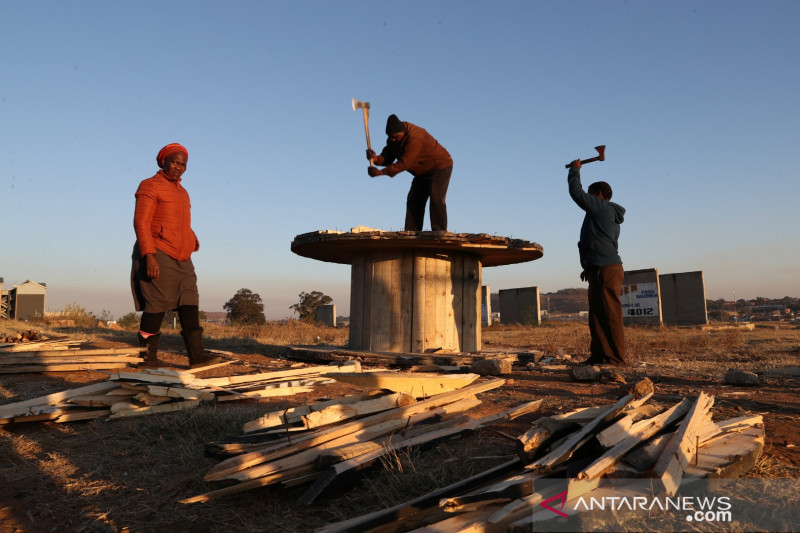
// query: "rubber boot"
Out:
[151,355]
[198,357]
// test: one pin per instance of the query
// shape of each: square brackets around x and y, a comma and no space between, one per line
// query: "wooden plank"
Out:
[418,344]
[292,455]
[21,408]
[369,276]
[321,436]
[294,415]
[249,485]
[97,400]
[381,310]
[457,278]
[278,375]
[410,508]
[563,452]
[265,393]
[450,341]
[132,350]
[357,301]
[406,290]
[67,359]
[441,281]
[643,432]
[626,426]
[432,321]
[472,304]
[180,392]
[337,413]
[60,367]
[682,447]
[163,408]
[416,383]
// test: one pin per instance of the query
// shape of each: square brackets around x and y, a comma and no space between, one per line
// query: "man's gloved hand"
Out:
[575,164]
[374,171]
[370,155]
[584,277]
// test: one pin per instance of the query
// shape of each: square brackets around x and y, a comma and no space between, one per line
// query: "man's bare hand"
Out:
[575,164]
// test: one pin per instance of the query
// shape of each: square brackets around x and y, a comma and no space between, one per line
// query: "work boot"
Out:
[198,356]
[151,355]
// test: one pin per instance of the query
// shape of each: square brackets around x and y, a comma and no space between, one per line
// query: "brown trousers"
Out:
[605,314]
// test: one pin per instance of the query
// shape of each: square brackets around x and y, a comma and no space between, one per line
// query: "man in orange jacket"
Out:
[163,276]
[411,148]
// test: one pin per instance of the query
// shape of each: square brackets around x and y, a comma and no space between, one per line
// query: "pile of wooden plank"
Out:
[163,390]
[588,453]
[321,443]
[320,354]
[37,354]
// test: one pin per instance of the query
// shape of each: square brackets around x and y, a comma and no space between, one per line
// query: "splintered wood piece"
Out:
[563,452]
[647,429]
[682,447]
[294,415]
[624,427]
[337,413]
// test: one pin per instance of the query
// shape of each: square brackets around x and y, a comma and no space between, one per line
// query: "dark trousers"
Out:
[605,314]
[431,185]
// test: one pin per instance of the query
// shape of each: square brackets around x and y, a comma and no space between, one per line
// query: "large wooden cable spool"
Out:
[415,291]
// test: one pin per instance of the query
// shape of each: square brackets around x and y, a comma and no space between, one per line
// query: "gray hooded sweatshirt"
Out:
[600,229]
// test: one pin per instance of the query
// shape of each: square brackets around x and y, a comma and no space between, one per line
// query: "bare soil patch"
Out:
[128,475]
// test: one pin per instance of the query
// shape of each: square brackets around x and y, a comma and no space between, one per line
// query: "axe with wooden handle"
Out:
[364,106]
[601,150]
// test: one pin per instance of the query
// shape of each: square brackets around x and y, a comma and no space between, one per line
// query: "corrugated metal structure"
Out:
[23,302]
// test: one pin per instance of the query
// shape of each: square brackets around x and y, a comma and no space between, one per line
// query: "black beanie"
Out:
[393,125]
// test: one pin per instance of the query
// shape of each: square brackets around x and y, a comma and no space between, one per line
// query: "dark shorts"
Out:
[176,286]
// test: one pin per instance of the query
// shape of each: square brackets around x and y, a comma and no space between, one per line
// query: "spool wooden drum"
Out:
[413,292]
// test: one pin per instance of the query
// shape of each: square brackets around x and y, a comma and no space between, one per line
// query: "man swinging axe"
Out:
[409,147]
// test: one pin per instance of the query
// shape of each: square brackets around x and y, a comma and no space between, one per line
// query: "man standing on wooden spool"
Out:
[602,265]
[409,147]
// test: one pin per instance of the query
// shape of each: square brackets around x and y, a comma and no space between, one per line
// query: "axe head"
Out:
[601,150]
[365,105]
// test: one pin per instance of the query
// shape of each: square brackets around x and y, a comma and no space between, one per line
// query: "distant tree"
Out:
[129,321]
[309,302]
[245,308]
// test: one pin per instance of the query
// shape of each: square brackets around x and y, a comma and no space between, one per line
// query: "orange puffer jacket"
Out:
[163,219]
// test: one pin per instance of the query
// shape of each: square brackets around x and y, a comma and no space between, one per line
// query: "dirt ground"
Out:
[53,480]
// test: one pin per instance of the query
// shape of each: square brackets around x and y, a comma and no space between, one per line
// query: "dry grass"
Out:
[127,475]
[670,349]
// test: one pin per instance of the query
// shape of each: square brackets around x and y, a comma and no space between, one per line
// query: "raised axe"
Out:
[364,106]
[601,150]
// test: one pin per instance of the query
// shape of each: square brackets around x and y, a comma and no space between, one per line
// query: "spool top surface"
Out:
[340,247]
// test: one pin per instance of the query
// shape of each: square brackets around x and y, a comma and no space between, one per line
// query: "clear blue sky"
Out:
[696,101]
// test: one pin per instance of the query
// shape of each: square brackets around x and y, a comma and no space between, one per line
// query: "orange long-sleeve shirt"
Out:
[162,219]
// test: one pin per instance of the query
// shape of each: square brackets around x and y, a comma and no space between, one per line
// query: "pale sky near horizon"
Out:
[696,102]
